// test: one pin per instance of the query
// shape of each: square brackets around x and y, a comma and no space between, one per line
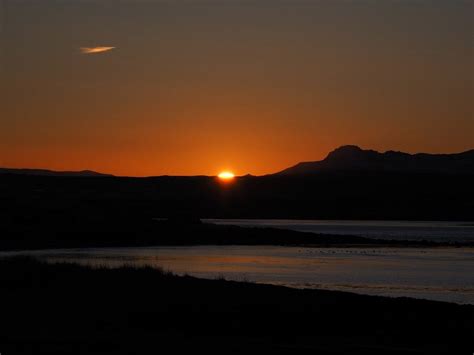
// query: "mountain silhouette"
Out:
[45,172]
[353,158]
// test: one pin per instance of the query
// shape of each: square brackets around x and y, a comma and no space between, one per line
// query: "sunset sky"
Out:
[185,87]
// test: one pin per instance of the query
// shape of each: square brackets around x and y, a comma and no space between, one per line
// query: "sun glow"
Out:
[226,175]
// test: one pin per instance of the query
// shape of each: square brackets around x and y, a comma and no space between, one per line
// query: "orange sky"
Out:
[252,87]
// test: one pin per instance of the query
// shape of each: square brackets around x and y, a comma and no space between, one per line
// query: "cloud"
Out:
[93,50]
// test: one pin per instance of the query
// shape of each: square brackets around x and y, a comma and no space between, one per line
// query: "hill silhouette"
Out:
[46,172]
[353,158]
[350,183]
[347,158]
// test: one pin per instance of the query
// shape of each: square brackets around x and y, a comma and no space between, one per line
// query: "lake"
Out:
[399,230]
[445,274]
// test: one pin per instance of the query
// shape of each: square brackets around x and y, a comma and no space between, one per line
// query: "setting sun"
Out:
[226,175]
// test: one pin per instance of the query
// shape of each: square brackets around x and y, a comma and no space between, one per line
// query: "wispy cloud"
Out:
[93,50]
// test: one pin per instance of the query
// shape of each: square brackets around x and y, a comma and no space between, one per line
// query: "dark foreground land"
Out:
[82,211]
[69,309]
[337,195]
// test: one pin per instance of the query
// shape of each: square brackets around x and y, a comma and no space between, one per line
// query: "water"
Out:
[445,274]
[398,230]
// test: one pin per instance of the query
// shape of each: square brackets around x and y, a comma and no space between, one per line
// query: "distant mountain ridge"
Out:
[352,158]
[347,158]
[45,172]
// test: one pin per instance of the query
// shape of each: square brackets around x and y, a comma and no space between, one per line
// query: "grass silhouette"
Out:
[67,308]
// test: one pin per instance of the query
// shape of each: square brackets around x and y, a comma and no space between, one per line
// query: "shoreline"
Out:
[396,272]
[50,234]
[320,246]
[136,310]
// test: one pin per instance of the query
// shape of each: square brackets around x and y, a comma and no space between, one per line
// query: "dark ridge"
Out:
[328,195]
[353,158]
[45,172]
